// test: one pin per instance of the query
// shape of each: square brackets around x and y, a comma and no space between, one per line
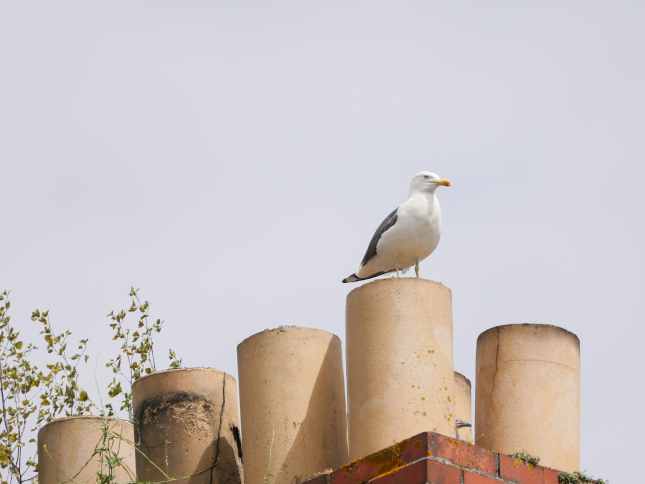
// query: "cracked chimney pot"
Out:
[399,362]
[528,393]
[292,399]
[187,427]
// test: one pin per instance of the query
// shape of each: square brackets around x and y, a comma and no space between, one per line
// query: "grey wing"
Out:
[385,225]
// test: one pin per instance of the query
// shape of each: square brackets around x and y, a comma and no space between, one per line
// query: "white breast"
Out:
[413,237]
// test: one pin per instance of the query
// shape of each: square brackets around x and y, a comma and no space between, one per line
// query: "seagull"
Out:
[407,235]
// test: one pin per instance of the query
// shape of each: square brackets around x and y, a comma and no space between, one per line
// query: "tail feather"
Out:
[355,278]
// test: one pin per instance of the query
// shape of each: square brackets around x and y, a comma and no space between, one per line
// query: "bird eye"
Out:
[426,177]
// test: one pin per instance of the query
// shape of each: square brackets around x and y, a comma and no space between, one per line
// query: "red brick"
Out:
[443,474]
[412,474]
[422,472]
[432,458]
[321,479]
[382,462]
[420,446]
[472,478]
[551,476]
[517,470]
[462,453]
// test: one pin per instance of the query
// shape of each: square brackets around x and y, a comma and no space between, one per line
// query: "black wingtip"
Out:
[355,278]
[351,278]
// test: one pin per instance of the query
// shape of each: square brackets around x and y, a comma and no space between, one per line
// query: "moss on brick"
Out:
[526,458]
[578,478]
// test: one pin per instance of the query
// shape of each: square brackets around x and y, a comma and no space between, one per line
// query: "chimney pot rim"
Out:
[71,418]
[398,281]
[529,325]
[286,328]
[204,369]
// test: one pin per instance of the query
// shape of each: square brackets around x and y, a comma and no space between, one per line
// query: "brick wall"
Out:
[435,459]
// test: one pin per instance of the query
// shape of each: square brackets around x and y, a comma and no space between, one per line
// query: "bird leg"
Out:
[416,268]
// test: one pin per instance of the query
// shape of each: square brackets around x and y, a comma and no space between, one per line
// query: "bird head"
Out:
[427,182]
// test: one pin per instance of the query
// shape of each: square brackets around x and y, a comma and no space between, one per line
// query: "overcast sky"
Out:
[232,159]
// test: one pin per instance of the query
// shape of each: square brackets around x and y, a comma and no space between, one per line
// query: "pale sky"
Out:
[232,160]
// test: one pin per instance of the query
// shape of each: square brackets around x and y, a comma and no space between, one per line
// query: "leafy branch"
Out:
[31,396]
[134,329]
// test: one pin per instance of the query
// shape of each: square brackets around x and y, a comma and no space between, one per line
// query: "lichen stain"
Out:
[380,464]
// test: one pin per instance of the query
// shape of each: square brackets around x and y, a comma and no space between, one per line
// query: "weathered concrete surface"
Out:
[399,362]
[187,427]
[463,408]
[528,393]
[66,446]
[292,398]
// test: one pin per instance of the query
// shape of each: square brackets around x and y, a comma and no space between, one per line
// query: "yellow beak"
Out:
[444,182]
